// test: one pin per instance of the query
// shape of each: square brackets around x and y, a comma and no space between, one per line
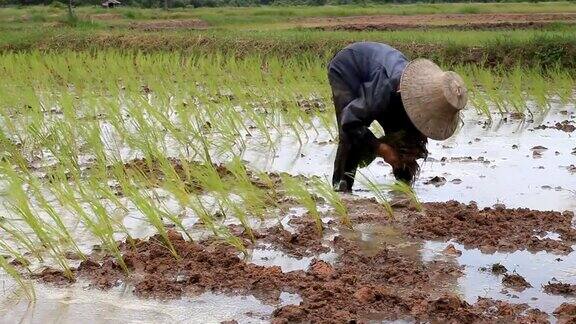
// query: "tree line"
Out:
[227,3]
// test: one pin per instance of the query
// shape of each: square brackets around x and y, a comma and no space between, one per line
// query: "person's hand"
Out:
[389,155]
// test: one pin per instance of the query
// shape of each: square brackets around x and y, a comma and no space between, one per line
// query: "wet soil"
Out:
[566,313]
[384,283]
[498,269]
[565,126]
[436,181]
[453,21]
[493,229]
[559,288]
[305,241]
[515,281]
[487,229]
[54,277]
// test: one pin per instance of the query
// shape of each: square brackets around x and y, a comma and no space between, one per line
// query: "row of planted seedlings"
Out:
[67,140]
[519,90]
[71,121]
[260,89]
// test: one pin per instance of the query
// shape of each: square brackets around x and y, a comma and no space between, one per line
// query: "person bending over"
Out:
[411,100]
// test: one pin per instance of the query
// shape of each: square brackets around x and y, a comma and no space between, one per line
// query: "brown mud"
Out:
[498,269]
[494,229]
[488,229]
[305,241]
[54,277]
[566,313]
[429,21]
[515,281]
[565,126]
[559,288]
[384,283]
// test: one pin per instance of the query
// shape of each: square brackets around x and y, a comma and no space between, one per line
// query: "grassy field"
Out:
[270,30]
[256,17]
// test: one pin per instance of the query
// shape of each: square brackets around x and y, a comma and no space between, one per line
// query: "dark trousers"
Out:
[347,155]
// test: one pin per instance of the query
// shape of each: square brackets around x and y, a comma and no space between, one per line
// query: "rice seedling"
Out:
[334,199]
[144,201]
[406,190]
[207,220]
[254,199]
[45,232]
[79,202]
[516,94]
[565,85]
[27,288]
[539,89]
[378,191]
[297,190]
[43,204]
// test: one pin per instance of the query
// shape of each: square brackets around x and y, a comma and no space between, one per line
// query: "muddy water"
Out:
[266,255]
[537,268]
[78,304]
[477,279]
[488,164]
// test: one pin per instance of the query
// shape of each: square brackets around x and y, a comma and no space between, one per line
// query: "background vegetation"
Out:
[277,31]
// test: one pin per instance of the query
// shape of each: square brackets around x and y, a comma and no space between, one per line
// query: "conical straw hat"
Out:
[432,98]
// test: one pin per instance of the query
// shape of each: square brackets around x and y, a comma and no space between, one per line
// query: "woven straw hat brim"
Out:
[432,98]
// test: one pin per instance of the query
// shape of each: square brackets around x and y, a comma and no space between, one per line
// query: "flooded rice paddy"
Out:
[507,162]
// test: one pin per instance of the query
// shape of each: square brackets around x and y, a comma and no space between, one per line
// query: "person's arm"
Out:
[373,99]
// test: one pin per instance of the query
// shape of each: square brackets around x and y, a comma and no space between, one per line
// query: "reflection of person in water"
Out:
[413,101]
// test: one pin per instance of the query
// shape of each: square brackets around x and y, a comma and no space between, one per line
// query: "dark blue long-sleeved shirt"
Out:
[372,72]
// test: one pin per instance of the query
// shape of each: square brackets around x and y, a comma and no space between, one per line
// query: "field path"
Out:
[460,21]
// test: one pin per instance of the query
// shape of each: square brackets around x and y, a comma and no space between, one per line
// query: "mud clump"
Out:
[565,126]
[54,277]
[498,269]
[452,308]
[519,313]
[559,288]
[367,294]
[566,313]
[306,241]
[515,281]
[321,269]
[436,181]
[451,250]
[493,229]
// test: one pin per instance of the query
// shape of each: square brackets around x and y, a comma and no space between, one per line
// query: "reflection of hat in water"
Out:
[432,98]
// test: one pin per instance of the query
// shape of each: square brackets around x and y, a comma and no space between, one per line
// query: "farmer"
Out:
[411,100]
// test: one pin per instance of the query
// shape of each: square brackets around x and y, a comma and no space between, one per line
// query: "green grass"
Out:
[270,31]
[487,48]
[227,16]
